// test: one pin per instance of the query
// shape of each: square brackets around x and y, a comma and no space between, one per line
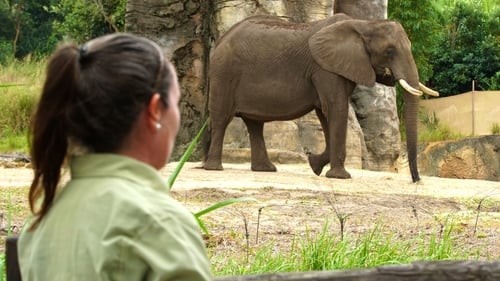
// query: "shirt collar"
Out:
[114,165]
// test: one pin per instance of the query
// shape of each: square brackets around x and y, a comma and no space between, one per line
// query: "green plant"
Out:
[435,131]
[19,91]
[430,121]
[2,268]
[495,129]
[10,141]
[468,48]
[178,169]
[82,20]
[325,251]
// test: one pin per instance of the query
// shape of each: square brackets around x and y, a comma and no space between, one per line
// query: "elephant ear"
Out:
[339,48]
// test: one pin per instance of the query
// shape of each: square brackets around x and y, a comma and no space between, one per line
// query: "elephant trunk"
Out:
[411,97]
[411,118]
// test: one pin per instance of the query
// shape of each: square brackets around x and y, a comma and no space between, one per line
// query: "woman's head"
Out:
[115,76]
[95,95]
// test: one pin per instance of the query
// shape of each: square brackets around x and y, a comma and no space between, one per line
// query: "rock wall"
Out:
[376,112]
[471,158]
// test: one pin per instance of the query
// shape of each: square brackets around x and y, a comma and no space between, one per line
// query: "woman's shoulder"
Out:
[118,200]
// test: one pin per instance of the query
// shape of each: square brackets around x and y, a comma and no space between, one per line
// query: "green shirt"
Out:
[114,220]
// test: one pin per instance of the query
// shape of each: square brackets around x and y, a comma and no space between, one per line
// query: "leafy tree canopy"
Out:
[82,20]
[468,50]
[421,22]
[36,26]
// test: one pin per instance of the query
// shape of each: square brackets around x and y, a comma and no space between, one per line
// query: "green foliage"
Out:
[10,142]
[34,27]
[493,83]
[6,52]
[325,251]
[421,23]
[495,129]
[19,91]
[82,20]
[469,49]
[26,28]
[16,111]
[435,131]
[2,268]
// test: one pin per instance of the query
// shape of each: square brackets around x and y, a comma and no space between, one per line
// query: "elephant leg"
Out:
[337,121]
[318,161]
[259,158]
[217,130]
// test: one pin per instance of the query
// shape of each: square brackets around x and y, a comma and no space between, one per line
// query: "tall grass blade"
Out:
[185,156]
[10,85]
[178,169]
[223,204]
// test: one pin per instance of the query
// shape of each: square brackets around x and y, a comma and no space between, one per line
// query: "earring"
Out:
[158,126]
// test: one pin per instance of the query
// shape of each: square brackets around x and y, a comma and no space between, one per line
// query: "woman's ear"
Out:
[154,111]
[340,49]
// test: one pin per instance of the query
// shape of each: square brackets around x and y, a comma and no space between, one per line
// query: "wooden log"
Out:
[428,271]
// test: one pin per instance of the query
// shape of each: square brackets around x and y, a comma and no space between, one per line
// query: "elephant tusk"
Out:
[409,88]
[428,91]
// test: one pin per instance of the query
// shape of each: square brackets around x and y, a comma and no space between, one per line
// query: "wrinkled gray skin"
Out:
[265,69]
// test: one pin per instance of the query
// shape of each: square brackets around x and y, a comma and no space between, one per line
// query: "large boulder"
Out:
[471,158]
[377,115]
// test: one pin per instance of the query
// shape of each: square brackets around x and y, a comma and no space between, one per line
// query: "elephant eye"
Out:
[390,51]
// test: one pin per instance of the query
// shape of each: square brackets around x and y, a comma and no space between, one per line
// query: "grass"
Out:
[14,211]
[326,251]
[13,141]
[495,129]
[21,84]
[434,130]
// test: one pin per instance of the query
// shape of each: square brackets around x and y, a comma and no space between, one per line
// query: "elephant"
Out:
[266,69]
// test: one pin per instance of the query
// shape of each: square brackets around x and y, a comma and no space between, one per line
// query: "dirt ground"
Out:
[294,201]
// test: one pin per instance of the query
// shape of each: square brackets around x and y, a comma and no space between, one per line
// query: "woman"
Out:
[109,109]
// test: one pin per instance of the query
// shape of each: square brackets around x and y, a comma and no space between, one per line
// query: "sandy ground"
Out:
[294,201]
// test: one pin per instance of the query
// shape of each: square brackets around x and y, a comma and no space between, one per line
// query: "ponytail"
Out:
[49,134]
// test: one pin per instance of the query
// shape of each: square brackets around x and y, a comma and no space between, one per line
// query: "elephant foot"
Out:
[316,163]
[213,165]
[338,173]
[266,167]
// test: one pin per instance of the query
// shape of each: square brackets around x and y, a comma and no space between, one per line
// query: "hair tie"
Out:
[82,52]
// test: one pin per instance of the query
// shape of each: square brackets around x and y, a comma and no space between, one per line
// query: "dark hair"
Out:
[92,94]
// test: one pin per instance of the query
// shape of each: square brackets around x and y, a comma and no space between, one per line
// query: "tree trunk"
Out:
[182,29]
